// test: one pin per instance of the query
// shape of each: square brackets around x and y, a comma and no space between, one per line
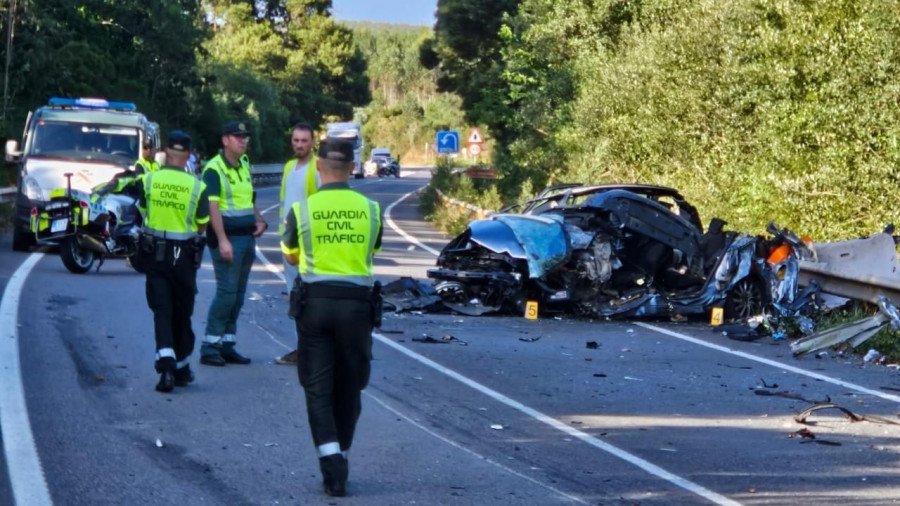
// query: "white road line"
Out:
[772,363]
[402,233]
[262,258]
[473,453]
[552,422]
[26,476]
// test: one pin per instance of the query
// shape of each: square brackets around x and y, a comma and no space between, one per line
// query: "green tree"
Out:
[136,51]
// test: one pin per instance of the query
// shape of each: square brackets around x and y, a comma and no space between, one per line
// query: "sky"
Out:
[410,12]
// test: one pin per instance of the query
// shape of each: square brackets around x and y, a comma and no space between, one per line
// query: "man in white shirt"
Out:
[299,181]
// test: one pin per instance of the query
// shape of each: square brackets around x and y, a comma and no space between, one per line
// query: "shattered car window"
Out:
[543,239]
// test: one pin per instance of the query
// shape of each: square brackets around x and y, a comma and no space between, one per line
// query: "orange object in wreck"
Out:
[778,254]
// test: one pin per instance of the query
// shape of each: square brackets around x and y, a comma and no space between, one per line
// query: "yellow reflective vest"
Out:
[235,196]
[172,198]
[336,234]
[147,166]
[309,186]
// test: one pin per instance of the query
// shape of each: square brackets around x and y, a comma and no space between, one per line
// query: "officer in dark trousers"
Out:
[332,238]
[177,212]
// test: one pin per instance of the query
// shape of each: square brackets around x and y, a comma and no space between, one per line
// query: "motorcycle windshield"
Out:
[544,241]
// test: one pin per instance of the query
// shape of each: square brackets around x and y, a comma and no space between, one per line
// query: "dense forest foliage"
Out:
[406,108]
[191,64]
[755,109]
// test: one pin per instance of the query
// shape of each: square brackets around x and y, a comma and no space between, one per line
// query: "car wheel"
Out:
[22,240]
[453,291]
[75,257]
[745,299]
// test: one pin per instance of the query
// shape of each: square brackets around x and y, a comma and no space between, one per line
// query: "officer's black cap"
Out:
[178,141]
[235,128]
[338,150]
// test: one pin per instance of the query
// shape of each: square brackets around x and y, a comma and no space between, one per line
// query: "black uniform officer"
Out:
[171,249]
[332,238]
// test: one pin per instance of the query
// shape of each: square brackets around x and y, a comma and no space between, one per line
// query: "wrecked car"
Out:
[615,250]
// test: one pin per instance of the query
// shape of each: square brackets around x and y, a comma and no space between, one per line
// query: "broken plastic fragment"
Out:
[496,426]
[872,356]
[159,443]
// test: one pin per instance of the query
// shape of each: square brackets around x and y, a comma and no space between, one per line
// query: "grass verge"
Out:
[7,212]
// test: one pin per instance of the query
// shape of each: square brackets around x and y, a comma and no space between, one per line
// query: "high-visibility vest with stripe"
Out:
[172,197]
[336,232]
[309,186]
[235,196]
[147,165]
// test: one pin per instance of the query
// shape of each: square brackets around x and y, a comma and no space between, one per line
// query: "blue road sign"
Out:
[447,142]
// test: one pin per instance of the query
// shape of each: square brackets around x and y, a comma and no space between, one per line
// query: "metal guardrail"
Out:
[479,212]
[267,174]
[838,282]
[7,194]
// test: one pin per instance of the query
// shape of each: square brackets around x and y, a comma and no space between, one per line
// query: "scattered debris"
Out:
[872,355]
[766,385]
[789,395]
[633,379]
[529,339]
[804,433]
[159,443]
[406,293]
[599,375]
[853,417]
[445,339]
[743,332]
[856,332]
[497,426]
[429,340]
[807,436]
[592,345]
[391,331]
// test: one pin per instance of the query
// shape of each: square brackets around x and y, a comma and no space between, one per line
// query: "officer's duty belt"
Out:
[323,291]
[178,239]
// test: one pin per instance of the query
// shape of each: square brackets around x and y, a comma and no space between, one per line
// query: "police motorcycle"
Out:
[88,226]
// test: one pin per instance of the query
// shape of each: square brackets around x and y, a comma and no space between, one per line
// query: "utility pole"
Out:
[10,26]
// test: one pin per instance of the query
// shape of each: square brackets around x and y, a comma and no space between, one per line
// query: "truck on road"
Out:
[352,132]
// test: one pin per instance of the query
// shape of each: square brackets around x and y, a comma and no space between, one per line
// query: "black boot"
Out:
[166,382]
[231,355]
[183,376]
[334,475]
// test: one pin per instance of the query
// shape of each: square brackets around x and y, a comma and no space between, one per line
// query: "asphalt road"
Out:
[510,412]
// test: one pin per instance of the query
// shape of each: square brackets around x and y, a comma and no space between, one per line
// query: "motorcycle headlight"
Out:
[32,189]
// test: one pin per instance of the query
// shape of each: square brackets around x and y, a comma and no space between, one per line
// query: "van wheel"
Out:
[75,257]
[22,240]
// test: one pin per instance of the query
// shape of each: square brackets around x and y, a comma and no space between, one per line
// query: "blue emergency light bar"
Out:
[91,103]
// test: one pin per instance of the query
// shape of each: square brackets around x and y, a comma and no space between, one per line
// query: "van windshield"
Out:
[86,141]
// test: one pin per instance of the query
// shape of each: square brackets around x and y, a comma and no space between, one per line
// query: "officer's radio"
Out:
[377,304]
[298,294]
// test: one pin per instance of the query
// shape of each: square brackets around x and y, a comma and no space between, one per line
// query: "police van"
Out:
[83,140]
